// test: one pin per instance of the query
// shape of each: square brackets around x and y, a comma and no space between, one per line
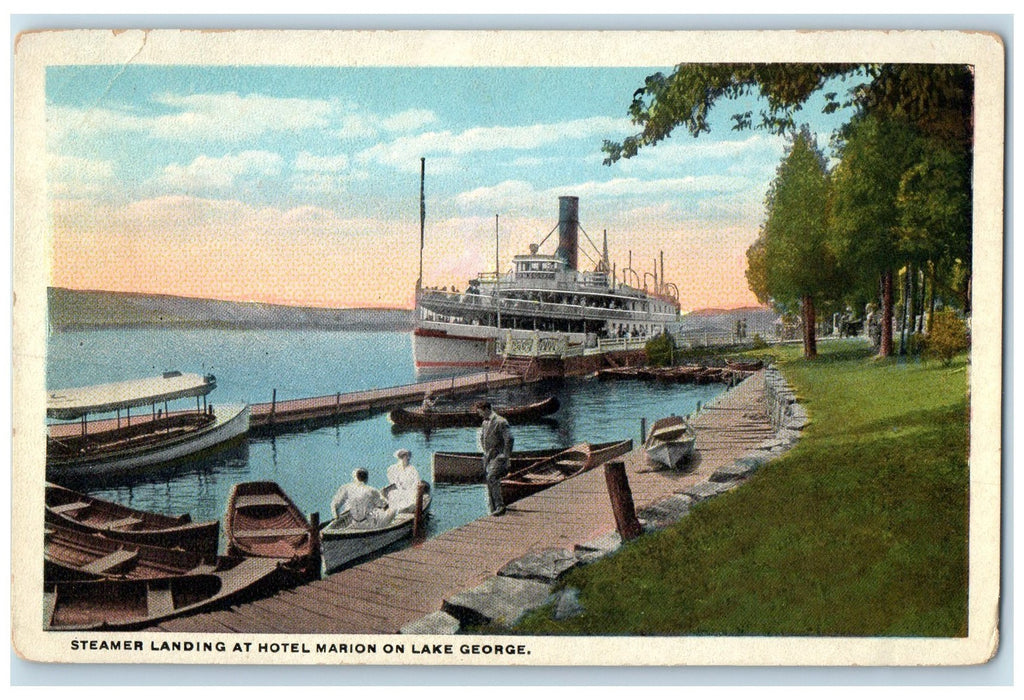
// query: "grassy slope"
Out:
[859,530]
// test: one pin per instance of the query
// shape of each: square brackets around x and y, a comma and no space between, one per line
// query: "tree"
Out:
[864,228]
[790,262]
[934,101]
[936,98]
[934,204]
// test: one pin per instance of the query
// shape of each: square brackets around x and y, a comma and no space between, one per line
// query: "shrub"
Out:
[916,344]
[660,350]
[759,342]
[948,336]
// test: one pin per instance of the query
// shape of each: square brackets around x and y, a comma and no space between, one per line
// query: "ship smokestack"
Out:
[568,229]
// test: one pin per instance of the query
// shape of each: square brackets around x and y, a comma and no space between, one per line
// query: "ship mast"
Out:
[423,216]
[497,272]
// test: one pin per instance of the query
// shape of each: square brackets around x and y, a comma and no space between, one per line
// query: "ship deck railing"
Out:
[456,304]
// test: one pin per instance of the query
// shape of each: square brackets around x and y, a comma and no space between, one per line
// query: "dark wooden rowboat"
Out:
[545,473]
[566,464]
[416,418]
[77,555]
[467,467]
[745,365]
[78,511]
[121,604]
[261,521]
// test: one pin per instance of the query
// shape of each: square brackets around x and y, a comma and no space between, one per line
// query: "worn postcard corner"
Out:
[508,348]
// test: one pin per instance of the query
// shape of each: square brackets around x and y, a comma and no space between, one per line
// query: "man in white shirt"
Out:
[364,503]
[406,480]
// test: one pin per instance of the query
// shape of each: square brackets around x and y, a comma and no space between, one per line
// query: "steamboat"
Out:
[544,306]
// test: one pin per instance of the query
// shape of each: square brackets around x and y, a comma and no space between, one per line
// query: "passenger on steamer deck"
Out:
[368,508]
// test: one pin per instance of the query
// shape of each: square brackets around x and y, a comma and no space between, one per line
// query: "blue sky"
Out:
[318,169]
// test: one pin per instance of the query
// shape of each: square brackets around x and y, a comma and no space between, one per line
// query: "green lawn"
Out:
[860,530]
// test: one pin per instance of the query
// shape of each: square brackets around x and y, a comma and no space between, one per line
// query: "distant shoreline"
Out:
[71,310]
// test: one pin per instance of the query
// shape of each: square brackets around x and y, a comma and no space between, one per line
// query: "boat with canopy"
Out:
[125,442]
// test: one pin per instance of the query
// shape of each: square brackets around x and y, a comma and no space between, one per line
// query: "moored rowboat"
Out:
[344,542]
[78,511]
[671,441]
[75,555]
[121,604]
[261,521]
[416,418]
[745,365]
[467,467]
[564,465]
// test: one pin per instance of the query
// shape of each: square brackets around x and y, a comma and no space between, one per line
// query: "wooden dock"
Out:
[282,416]
[293,414]
[383,595]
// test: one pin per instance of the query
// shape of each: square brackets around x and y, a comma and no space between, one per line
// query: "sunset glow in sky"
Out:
[300,186]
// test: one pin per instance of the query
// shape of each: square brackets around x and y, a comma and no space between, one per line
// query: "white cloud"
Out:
[233,117]
[408,149]
[308,162]
[687,154]
[206,173]
[511,194]
[73,177]
[409,120]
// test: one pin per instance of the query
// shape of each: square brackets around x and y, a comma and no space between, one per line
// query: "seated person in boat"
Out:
[406,479]
[364,503]
[428,403]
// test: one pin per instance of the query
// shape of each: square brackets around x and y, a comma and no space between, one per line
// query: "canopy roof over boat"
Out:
[68,404]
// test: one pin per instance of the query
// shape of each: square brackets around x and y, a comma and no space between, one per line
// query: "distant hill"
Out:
[759,319]
[71,309]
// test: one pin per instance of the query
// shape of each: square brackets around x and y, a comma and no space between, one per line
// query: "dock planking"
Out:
[383,595]
[276,417]
[281,416]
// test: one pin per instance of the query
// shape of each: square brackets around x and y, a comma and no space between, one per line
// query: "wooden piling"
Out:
[273,406]
[621,496]
[643,430]
[417,521]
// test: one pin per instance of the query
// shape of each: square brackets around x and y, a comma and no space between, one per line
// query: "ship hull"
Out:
[438,350]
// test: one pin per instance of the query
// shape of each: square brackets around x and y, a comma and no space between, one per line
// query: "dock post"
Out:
[273,406]
[643,430]
[621,497]
[417,521]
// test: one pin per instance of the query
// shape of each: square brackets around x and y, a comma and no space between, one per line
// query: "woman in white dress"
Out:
[406,479]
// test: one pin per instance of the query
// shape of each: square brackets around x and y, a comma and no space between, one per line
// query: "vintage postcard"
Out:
[508,348]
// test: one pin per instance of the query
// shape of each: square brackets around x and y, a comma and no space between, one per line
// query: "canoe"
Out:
[467,467]
[261,521]
[75,555]
[416,418]
[78,511]
[121,604]
[564,465]
[671,441]
[343,542]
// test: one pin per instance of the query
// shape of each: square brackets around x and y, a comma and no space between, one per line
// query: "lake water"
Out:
[310,466]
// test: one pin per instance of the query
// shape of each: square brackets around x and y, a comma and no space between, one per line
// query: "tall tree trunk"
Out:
[931,295]
[885,348]
[810,340]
